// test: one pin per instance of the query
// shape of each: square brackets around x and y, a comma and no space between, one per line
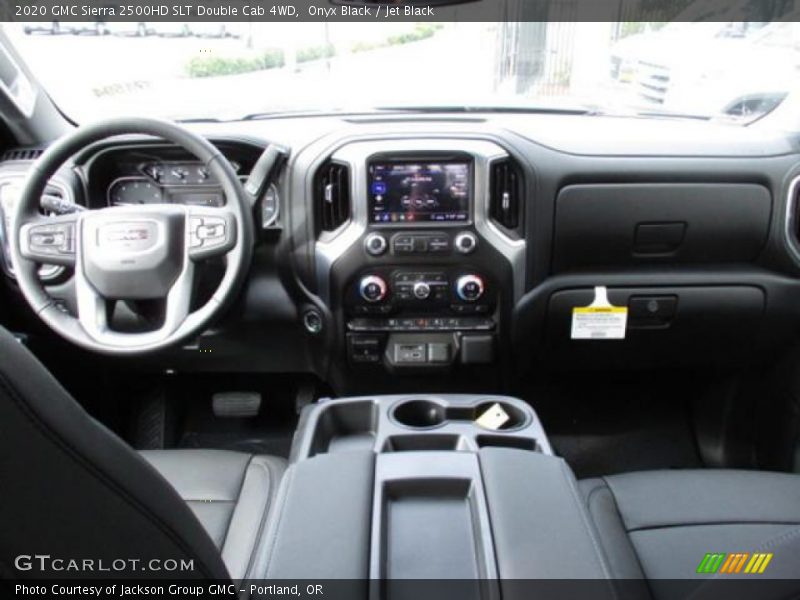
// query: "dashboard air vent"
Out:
[506,193]
[332,196]
[22,154]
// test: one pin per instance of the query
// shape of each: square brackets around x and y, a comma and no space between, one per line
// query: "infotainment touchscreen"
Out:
[412,192]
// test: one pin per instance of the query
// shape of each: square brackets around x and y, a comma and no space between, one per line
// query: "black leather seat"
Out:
[71,489]
[659,526]
[230,494]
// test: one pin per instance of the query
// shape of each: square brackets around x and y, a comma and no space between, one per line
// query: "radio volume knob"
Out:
[469,288]
[372,288]
[375,244]
[466,242]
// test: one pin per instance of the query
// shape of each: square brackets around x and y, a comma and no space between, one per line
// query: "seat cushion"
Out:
[660,525]
[229,492]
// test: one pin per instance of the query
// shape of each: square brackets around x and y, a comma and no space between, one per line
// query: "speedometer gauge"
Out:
[132,191]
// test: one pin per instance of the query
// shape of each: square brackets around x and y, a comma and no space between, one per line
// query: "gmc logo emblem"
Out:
[127,235]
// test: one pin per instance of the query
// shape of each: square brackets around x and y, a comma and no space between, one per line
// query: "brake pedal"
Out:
[236,404]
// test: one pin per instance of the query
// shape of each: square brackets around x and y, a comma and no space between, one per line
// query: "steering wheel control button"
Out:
[209,231]
[469,288]
[48,242]
[375,244]
[47,239]
[209,234]
[372,288]
[51,240]
[466,242]
[422,290]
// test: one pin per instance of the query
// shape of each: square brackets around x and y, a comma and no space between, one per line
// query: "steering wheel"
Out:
[132,253]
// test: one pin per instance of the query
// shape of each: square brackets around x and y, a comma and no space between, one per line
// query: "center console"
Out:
[421,277]
[401,488]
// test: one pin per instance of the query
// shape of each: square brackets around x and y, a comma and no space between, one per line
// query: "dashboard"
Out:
[403,252]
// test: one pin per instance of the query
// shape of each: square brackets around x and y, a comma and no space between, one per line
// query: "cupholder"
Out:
[426,414]
[516,416]
[419,414]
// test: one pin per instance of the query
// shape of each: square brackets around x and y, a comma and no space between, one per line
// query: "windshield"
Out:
[233,70]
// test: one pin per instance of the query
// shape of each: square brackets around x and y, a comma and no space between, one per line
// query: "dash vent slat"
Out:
[506,193]
[22,154]
[332,196]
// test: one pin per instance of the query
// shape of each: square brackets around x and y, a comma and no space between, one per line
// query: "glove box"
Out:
[643,224]
[666,326]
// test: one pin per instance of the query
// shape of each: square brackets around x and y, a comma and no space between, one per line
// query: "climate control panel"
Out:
[414,287]
[393,310]
[408,290]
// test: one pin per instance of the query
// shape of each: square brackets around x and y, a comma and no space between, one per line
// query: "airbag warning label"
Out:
[600,320]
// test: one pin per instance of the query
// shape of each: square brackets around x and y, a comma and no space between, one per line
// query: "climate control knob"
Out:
[469,288]
[422,290]
[372,288]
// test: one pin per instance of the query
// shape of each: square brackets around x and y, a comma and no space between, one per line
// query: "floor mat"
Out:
[605,426]
[270,432]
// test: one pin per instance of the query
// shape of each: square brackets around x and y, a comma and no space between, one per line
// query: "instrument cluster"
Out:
[174,182]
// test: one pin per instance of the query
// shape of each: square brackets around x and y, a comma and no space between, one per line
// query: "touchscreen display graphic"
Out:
[409,192]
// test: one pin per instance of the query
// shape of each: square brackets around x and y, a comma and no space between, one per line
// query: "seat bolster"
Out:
[202,475]
[657,499]
[665,522]
[600,504]
[229,492]
[209,482]
[249,518]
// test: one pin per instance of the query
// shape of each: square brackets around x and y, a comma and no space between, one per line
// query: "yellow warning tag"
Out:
[600,320]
